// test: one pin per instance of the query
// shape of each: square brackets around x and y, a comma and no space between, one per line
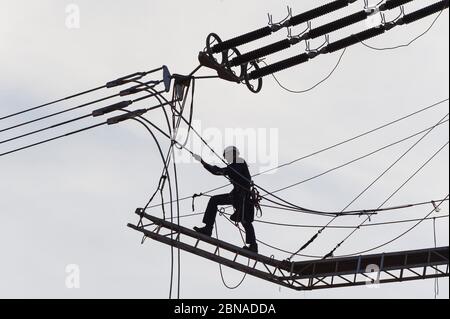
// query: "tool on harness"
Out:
[255,198]
[193,200]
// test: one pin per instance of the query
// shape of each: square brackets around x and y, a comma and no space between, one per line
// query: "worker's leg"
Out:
[211,210]
[250,236]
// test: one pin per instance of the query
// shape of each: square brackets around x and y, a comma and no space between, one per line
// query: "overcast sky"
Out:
[68,202]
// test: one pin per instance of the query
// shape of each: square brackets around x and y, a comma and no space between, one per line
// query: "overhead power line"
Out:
[356,137]
[304,17]
[110,121]
[394,222]
[428,132]
[390,222]
[356,159]
[272,194]
[126,92]
[408,43]
[290,22]
[331,253]
[308,35]
[315,85]
[438,205]
[58,113]
[118,82]
[338,45]
[328,148]
[96,113]
[291,253]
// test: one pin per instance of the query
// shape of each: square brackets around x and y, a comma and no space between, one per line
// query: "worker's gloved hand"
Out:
[197,157]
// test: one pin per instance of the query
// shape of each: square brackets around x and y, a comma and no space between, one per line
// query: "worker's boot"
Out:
[252,247]
[207,230]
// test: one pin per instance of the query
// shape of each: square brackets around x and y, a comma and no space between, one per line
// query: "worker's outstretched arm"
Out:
[211,168]
[214,169]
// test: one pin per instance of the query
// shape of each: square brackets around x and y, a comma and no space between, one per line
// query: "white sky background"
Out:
[68,202]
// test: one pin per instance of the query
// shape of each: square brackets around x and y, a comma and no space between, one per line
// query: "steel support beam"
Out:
[305,275]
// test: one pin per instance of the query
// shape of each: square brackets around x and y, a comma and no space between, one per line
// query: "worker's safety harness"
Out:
[255,199]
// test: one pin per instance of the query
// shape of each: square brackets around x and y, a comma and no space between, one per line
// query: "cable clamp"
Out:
[282,24]
[436,207]
[372,10]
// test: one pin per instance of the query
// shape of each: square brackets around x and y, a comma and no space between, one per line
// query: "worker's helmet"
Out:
[231,150]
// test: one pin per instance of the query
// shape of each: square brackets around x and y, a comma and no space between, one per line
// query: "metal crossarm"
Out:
[210,248]
[305,275]
[377,268]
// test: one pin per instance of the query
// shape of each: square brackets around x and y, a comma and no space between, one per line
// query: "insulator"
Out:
[279,66]
[392,4]
[261,52]
[111,108]
[425,12]
[243,39]
[354,39]
[338,24]
[318,12]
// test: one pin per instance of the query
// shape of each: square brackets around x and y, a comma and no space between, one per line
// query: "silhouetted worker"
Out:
[240,197]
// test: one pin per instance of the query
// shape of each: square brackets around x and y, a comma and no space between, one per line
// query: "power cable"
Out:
[410,42]
[96,113]
[392,195]
[341,166]
[118,82]
[371,184]
[176,125]
[309,34]
[334,46]
[274,27]
[221,270]
[330,147]
[51,103]
[53,139]
[58,113]
[356,159]
[344,165]
[349,255]
[399,236]
[315,85]
[167,176]
[403,221]
[366,211]
[398,120]
[110,121]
